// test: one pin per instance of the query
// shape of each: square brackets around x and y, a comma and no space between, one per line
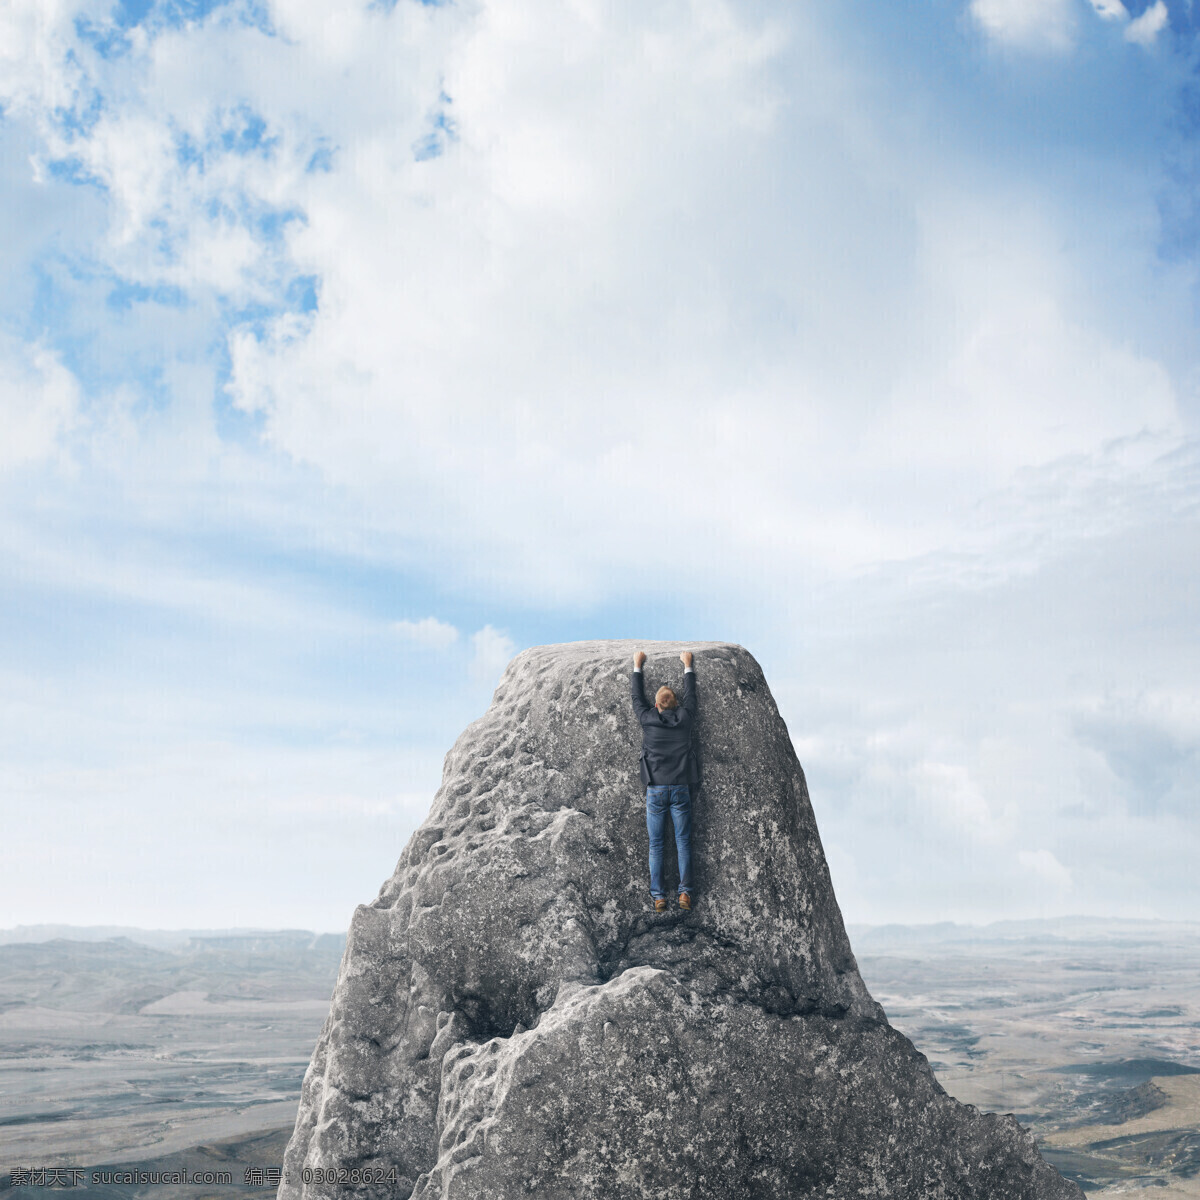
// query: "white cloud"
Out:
[428,631]
[557,319]
[1144,29]
[956,800]
[343,813]
[1150,742]
[1045,866]
[409,806]
[571,296]
[35,71]
[1029,24]
[39,402]
[492,650]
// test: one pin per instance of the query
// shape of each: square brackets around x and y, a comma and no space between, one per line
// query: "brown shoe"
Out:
[660,905]
[685,901]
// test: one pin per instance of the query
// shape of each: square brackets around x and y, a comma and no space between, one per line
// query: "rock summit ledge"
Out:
[511,1018]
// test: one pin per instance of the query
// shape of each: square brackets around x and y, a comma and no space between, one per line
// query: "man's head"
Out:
[665,698]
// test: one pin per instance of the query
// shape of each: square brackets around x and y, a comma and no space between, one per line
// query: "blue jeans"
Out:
[678,798]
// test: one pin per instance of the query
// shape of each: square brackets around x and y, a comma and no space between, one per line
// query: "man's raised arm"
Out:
[638,696]
[689,684]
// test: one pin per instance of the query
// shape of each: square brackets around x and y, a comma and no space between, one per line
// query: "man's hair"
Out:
[665,698]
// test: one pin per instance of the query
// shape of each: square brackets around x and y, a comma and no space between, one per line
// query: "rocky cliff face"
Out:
[513,1019]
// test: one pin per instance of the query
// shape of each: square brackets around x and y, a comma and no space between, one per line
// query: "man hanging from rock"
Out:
[669,769]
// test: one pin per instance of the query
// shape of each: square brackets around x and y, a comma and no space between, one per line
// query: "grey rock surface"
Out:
[511,1018]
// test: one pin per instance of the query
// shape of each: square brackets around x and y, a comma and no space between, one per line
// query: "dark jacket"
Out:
[667,752]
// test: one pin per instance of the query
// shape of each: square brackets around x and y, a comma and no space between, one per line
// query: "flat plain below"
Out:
[1088,1031]
[161,1051]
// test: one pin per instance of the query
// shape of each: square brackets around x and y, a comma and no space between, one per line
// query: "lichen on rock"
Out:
[511,1018]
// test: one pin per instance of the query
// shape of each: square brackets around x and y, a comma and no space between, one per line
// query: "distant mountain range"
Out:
[865,938]
[881,939]
[248,940]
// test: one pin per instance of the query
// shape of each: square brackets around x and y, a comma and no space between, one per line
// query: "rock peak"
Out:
[512,1018]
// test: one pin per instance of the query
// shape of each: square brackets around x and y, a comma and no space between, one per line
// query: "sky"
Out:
[347,350]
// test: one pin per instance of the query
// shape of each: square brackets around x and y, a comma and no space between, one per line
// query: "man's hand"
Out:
[638,659]
[686,658]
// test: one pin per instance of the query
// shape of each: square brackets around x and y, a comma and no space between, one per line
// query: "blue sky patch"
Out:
[124,295]
[72,170]
[389,5]
[128,13]
[110,39]
[245,132]
[321,160]
[441,131]
[301,294]
[238,131]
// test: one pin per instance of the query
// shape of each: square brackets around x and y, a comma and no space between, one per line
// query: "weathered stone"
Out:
[512,1019]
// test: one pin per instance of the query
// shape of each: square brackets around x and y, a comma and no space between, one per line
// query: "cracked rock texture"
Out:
[512,1018]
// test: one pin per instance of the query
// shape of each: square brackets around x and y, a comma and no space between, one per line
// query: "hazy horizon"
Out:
[12,935]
